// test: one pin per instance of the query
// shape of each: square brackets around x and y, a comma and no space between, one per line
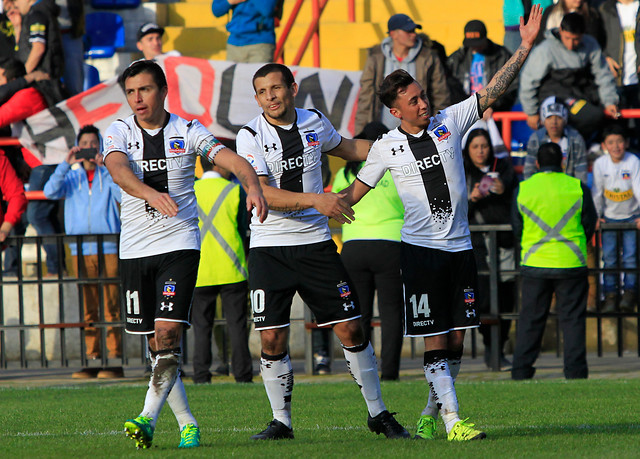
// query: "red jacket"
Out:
[12,192]
[21,105]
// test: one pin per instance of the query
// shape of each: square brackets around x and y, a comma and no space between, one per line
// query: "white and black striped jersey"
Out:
[165,160]
[290,157]
[428,171]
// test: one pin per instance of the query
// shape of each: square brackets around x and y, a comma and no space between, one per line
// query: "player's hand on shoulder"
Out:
[163,203]
[334,206]
[255,199]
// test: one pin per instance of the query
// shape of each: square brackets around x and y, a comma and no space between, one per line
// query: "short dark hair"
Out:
[88,129]
[549,154]
[13,69]
[614,129]
[573,23]
[392,83]
[144,66]
[274,67]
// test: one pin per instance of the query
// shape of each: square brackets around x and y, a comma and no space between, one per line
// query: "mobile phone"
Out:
[87,153]
[485,184]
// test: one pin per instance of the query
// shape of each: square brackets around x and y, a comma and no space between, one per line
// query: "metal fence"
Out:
[42,318]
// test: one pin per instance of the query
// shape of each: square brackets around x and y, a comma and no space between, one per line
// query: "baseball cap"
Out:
[553,105]
[402,21]
[149,27]
[475,34]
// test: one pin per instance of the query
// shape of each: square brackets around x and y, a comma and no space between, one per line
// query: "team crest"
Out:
[469,296]
[312,139]
[626,175]
[343,289]
[441,132]
[169,288]
[176,146]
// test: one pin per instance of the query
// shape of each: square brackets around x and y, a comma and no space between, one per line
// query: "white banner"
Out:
[217,93]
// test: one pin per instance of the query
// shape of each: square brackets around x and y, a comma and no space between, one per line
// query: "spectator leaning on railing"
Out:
[91,207]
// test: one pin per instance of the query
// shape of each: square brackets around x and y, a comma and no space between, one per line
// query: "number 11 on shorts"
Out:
[421,306]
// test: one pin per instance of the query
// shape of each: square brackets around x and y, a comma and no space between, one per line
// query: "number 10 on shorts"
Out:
[420,306]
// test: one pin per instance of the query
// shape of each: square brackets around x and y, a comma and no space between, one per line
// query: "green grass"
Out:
[596,418]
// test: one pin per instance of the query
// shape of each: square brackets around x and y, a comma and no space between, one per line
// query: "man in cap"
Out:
[554,116]
[150,41]
[402,49]
[476,62]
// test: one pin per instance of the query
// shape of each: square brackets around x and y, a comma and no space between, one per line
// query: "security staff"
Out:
[222,271]
[553,216]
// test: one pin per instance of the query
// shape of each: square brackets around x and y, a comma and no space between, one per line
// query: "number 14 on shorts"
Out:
[420,306]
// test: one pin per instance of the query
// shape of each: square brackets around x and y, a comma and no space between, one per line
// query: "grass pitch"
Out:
[548,418]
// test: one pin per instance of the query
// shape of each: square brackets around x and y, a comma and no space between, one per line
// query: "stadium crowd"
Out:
[581,71]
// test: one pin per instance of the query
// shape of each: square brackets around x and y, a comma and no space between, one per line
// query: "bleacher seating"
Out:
[105,33]
[91,77]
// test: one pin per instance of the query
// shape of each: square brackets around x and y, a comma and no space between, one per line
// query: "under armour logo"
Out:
[130,145]
[400,149]
[348,306]
[471,312]
[267,147]
[166,306]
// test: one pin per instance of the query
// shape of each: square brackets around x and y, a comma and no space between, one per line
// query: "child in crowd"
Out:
[616,194]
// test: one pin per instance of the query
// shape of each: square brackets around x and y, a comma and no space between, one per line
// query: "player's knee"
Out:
[273,341]
[350,333]
[167,336]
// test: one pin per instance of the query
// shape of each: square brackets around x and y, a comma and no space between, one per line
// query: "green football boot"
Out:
[139,430]
[189,436]
[426,428]
[464,431]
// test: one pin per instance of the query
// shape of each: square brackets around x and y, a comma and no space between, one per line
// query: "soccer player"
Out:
[439,273]
[293,251]
[152,155]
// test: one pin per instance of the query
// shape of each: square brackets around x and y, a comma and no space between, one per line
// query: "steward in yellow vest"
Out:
[222,271]
[553,216]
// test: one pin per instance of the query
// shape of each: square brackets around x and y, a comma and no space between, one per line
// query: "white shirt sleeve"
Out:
[463,114]
[249,149]
[597,191]
[330,137]
[115,138]
[373,169]
[203,142]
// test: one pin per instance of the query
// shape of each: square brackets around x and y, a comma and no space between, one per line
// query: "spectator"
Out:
[92,207]
[71,23]
[402,49]
[570,65]
[150,41]
[554,116]
[252,36]
[223,228]
[622,50]
[13,195]
[553,15]
[553,217]
[490,185]
[8,32]
[24,102]
[476,62]
[40,45]
[616,193]
[512,11]
[371,254]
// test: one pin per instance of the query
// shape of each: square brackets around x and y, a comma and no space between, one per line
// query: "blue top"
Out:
[252,21]
[86,210]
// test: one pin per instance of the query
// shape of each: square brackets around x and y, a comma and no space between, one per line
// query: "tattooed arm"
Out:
[505,76]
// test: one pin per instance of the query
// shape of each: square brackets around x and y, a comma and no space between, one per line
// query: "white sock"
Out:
[277,376]
[436,370]
[363,367]
[454,368]
[164,370]
[177,400]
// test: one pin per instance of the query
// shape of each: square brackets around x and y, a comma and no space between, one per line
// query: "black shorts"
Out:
[439,290]
[159,287]
[315,271]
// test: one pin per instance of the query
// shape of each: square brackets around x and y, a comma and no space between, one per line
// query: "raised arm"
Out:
[118,165]
[239,166]
[509,71]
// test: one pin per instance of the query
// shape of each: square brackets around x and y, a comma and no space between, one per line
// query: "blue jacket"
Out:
[252,21]
[86,210]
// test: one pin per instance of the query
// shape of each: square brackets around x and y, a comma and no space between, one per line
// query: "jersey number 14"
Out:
[420,306]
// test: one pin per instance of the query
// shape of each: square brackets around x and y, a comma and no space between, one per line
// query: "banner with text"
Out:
[217,93]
